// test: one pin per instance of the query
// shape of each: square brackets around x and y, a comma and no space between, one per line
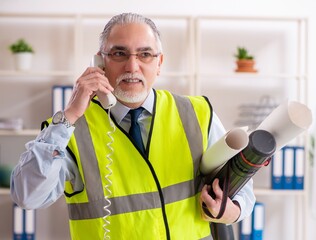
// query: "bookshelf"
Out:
[198,60]
[281,77]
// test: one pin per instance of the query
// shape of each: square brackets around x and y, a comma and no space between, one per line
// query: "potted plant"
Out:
[244,61]
[23,53]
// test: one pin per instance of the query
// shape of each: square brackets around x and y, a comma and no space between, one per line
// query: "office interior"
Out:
[200,40]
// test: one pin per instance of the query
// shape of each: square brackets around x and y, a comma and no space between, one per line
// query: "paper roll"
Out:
[225,148]
[287,121]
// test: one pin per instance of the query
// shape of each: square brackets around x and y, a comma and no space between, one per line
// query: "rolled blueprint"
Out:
[224,149]
[287,121]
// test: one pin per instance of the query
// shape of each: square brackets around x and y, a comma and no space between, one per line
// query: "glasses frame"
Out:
[110,55]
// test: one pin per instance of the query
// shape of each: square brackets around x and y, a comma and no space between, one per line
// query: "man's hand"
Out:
[232,210]
[90,82]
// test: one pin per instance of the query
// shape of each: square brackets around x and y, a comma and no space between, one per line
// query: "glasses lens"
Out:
[118,56]
[145,57]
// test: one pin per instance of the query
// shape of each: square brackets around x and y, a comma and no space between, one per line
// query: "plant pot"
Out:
[23,61]
[5,175]
[245,65]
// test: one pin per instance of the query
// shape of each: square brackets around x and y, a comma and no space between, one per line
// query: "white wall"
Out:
[178,7]
[199,7]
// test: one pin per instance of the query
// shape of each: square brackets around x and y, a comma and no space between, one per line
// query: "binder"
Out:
[277,176]
[61,96]
[288,162]
[67,94]
[57,99]
[17,223]
[29,224]
[258,221]
[245,228]
[23,224]
[299,162]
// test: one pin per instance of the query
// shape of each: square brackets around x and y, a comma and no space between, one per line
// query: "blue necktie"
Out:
[134,131]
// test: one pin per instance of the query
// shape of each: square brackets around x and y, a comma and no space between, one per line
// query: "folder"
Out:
[30,224]
[61,96]
[299,162]
[258,221]
[277,170]
[245,228]
[67,94]
[18,220]
[23,224]
[288,162]
[57,99]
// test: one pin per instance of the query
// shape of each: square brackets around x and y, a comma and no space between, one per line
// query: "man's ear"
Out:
[159,64]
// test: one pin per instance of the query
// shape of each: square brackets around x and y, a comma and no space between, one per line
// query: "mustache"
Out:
[126,76]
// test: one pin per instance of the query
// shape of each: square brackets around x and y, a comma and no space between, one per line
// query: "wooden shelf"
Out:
[4,191]
[24,132]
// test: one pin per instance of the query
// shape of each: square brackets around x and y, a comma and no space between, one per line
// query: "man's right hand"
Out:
[85,88]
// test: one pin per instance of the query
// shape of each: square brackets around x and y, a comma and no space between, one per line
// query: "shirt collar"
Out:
[119,111]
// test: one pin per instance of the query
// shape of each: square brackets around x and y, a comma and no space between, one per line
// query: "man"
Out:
[154,188]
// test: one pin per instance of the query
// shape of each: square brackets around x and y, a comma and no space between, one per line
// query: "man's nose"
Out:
[132,63]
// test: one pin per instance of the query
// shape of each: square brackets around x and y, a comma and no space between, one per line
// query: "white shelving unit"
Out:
[281,77]
[198,60]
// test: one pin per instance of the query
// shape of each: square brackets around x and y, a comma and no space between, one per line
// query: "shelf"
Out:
[254,17]
[251,75]
[4,191]
[273,192]
[24,132]
[12,73]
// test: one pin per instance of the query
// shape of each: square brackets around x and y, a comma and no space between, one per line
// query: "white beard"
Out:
[130,97]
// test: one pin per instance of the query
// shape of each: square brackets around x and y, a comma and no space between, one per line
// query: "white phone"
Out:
[107,100]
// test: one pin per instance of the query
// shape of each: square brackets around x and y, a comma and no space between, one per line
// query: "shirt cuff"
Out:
[57,134]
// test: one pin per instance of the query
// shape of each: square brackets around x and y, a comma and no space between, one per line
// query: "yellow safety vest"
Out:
[154,197]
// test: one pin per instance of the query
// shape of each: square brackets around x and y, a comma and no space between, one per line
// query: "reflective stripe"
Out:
[192,129]
[136,202]
[90,167]
[193,133]
[131,203]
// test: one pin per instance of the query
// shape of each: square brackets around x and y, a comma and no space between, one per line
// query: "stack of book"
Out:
[288,168]
[251,228]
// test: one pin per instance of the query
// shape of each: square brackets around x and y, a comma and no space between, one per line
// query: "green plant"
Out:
[21,46]
[242,53]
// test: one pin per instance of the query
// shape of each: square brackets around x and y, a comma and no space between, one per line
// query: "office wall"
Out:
[177,7]
[200,7]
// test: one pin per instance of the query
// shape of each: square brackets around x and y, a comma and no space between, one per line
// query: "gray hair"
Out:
[126,18]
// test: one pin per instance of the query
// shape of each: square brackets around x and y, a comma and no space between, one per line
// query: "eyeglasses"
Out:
[122,56]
